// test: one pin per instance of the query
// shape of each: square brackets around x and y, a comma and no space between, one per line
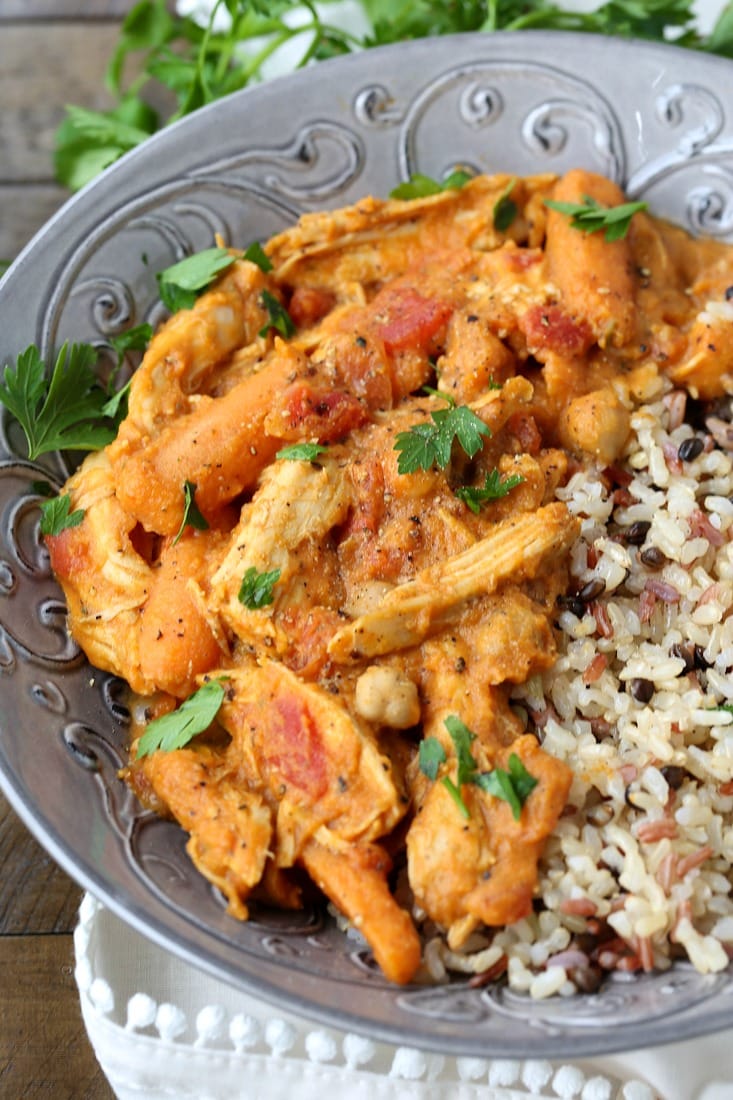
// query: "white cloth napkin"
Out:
[163,1030]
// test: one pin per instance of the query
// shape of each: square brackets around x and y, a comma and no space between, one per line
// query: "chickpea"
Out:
[596,423]
[385,696]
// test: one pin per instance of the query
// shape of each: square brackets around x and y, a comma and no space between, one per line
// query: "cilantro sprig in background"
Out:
[161,55]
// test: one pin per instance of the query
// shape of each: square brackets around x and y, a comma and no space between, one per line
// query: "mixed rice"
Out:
[640,705]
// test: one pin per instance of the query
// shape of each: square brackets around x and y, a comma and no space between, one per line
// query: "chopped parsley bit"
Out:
[278,316]
[494,488]
[419,186]
[173,731]
[256,588]
[590,217]
[513,786]
[180,285]
[43,489]
[305,452]
[56,515]
[133,339]
[191,515]
[63,413]
[431,755]
[426,445]
[505,209]
[257,255]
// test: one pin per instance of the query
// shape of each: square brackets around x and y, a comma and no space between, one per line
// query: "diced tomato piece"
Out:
[309,630]
[520,259]
[550,327]
[309,304]
[405,320]
[307,413]
[524,428]
[69,553]
[294,748]
[368,480]
[362,367]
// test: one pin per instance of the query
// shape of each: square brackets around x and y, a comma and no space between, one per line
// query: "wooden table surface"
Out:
[52,52]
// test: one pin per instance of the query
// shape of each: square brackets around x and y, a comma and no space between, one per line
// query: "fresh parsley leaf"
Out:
[4,265]
[191,515]
[505,208]
[461,736]
[430,444]
[278,316]
[256,254]
[56,515]
[419,186]
[513,786]
[181,284]
[305,452]
[455,792]
[173,731]
[43,489]
[494,488]
[432,392]
[431,755]
[116,407]
[104,129]
[256,588]
[590,217]
[132,339]
[63,413]
[88,141]
[148,25]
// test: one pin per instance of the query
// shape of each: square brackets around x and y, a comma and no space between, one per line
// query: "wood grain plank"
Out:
[67,64]
[44,1049]
[36,896]
[23,210]
[31,10]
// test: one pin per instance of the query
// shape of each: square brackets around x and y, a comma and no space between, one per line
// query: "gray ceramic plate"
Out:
[653,118]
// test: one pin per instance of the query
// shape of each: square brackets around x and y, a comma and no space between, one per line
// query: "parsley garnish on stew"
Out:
[278,316]
[256,589]
[430,444]
[191,515]
[419,186]
[431,755]
[513,786]
[494,488]
[180,285]
[505,208]
[174,730]
[256,254]
[56,515]
[133,339]
[590,217]
[303,452]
